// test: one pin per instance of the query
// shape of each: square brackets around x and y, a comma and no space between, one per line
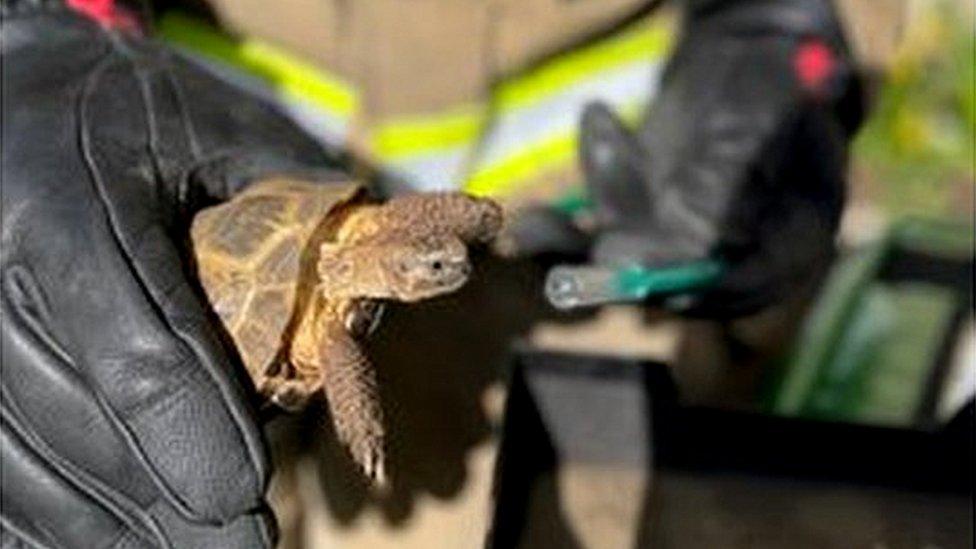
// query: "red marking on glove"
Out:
[814,64]
[106,13]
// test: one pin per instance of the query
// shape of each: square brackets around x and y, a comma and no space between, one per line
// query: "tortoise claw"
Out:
[290,395]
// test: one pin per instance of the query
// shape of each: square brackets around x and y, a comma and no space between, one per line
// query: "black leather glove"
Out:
[741,158]
[124,423]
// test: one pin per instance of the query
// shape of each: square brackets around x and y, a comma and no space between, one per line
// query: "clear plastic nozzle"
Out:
[572,287]
[569,287]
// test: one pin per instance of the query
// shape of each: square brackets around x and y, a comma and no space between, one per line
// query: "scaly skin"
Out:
[328,357]
[408,249]
[421,215]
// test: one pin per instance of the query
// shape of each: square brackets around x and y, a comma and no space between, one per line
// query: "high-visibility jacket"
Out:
[483,95]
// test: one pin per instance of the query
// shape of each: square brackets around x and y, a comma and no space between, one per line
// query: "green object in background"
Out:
[935,238]
[574,202]
[868,349]
[641,282]
[919,316]
[880,366]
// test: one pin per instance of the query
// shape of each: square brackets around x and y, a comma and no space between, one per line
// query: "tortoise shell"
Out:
[256,264]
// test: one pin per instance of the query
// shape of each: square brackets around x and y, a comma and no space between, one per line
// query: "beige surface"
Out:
[626,327]
[873,28]
[602,505]
[310,28]
[525,30]
[585,507]
[420,56]
[460,521]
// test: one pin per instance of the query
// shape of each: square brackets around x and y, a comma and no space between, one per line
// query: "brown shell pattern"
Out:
[249,257]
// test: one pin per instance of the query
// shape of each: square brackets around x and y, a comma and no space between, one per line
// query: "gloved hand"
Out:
[124,423]
[741,158]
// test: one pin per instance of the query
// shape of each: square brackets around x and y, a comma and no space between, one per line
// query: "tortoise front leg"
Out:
[327,357]
[349,383]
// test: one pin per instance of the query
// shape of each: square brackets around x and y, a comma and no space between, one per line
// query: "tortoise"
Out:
[298,273]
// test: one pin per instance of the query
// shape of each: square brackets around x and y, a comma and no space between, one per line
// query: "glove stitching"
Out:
[189,129]
[36,325]
[150,111]
[124,538]
[85,144]
[189,132]
[111,500]
[23,537]
[33,327]
[151,78]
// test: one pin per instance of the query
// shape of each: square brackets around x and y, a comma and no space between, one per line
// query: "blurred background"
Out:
[838,419]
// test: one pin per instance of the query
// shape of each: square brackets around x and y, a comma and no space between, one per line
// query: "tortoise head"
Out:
[408,269]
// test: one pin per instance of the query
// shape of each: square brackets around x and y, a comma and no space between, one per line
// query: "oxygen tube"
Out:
[573,286]
[570,287]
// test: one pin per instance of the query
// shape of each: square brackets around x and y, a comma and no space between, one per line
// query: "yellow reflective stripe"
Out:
[410,136]
[302,79]
[427,134]
[505,176]
[501,177]
[642,43]
[283,71]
